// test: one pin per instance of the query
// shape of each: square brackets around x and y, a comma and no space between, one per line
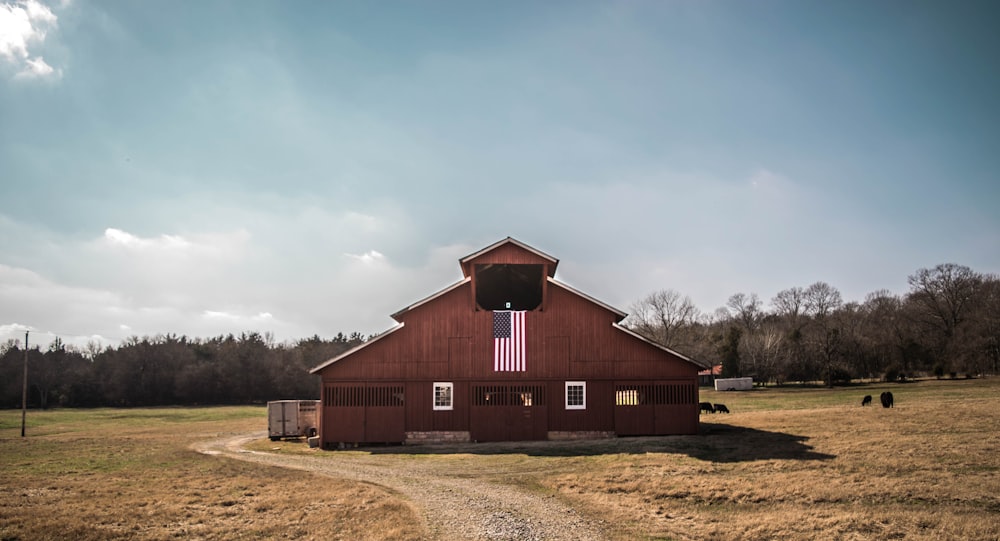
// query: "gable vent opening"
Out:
[509,286]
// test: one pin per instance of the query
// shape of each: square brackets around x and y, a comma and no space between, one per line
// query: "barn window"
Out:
[443,396]
[654,394]
[508,395]
[509,286]
[576,395]
[627,397]
[354,396]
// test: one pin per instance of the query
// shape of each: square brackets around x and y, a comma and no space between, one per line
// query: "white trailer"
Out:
[292,418]
[734,384]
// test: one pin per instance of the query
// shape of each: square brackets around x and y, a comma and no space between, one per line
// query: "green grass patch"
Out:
[54,421]
[792,397]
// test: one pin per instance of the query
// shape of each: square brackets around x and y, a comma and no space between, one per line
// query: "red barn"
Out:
[508,353]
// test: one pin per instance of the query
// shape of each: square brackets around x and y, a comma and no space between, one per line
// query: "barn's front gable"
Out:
[436,376]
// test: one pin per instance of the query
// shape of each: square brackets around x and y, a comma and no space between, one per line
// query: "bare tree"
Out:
[661,315]
[790,303]
[823,334]
[885,332]
[987,331]
[746,309]
[821,299]
[763,349]
[943,297]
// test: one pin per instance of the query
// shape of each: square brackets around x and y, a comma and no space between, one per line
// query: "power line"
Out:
[24,388]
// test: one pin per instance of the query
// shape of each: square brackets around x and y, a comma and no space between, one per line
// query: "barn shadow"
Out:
[728,443]
[717,442]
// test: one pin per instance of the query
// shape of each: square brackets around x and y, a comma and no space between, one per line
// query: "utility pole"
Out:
[24,388]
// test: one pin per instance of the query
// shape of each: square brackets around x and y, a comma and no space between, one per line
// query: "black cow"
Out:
[721,408]
[706,406]
[867,400]
[886,399]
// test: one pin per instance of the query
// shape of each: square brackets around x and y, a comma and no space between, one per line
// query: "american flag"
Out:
[508,341]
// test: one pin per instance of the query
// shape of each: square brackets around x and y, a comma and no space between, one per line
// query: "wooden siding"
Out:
[363,412]
[446,341]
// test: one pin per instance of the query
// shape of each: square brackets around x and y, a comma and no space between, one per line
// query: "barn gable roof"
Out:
[618,313]
[657,345]
[617,324]
[355,349]
[466,262]
[430,298]
[548,261]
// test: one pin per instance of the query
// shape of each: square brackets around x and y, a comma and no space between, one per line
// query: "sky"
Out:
[308,168]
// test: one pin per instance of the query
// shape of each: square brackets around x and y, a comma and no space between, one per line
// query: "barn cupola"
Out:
[509,275]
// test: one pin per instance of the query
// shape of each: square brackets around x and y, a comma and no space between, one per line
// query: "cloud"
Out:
[36,68]
[13,328]
[128,240]
[51,308]
[224,315]
[23,25]
[369,257]
[173,249]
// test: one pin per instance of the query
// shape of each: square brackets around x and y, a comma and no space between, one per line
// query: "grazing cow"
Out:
[721,408]
[867,400]
[886,399]
[706,406]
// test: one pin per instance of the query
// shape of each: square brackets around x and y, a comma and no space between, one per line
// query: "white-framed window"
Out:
[443,392]
[576,395]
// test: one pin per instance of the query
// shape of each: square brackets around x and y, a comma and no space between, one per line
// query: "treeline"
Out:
[946,325]
[168,370]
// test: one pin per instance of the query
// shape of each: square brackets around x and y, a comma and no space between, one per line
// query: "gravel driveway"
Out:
[455,501]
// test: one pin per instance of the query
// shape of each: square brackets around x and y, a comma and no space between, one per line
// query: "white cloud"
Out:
[234,317]
[37,67]
[368,257]
[213,314]
[51,308]
[13,328]
[124,238]
[212,245]
[24,24]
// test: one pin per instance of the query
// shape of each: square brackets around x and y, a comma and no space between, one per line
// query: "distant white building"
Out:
[733,384]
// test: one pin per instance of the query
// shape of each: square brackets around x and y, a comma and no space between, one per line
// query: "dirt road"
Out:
[454,498]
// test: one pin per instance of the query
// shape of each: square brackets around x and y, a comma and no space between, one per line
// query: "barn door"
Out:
[656,408]
[363,413]
[508,413]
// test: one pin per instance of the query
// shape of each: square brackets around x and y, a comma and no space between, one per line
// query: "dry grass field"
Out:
[811,464]
[788,463]
[130,474]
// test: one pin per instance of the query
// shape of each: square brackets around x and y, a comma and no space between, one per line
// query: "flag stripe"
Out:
[509,352]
